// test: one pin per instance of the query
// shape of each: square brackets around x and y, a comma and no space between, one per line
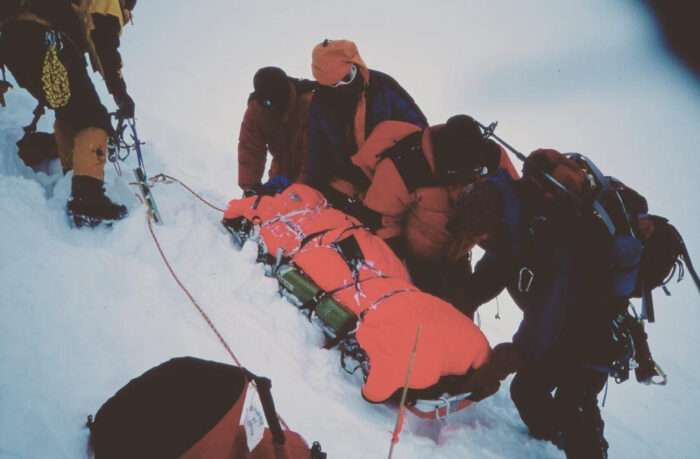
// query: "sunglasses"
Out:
[347,79]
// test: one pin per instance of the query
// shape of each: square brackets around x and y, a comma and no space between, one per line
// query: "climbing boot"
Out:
[89,206]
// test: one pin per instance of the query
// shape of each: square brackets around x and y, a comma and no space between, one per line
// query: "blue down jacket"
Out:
[331,140]
[569,301]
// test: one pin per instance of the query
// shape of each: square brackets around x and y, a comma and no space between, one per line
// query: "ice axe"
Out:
[489,132]
[117,145]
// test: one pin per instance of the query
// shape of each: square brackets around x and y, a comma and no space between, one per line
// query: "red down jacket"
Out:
[376,289]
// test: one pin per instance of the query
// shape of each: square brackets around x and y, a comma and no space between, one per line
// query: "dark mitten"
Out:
[256,190]
[125,104]
[504,359]
[117,87]
[270,188]
[482,383]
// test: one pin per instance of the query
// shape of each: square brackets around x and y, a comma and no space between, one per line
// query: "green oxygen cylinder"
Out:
[335,316]
[296,285]
[331,316]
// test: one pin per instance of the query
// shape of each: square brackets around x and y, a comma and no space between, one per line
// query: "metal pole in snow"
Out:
[399,417]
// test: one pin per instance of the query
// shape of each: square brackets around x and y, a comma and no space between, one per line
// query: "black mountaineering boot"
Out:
[89,206]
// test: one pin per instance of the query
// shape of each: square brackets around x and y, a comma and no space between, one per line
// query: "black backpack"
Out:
[191,408]
[622,214]
[646,251]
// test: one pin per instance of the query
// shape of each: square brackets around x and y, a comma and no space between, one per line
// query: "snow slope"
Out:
[82,312]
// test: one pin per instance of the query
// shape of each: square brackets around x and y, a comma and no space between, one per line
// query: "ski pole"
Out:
[399,417]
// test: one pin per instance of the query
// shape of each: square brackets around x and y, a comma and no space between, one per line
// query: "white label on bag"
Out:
[253,418]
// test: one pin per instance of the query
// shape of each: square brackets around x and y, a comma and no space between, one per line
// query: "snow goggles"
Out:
[348,78]
[268,104]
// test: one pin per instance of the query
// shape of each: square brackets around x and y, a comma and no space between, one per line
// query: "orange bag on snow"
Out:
[243,217]
[288,232]
[258,209]
[389,310]
[364,276]
[450,343]
[343,257]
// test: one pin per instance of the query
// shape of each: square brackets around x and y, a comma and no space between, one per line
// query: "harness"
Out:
[409,159]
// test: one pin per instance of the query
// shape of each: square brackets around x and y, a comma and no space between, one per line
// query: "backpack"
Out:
[191,408]
[646,250]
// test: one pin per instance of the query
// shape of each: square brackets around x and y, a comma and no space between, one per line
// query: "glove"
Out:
[257,190]
[485,381]
[277,184]
[482,383]
[125,105]
[117,87]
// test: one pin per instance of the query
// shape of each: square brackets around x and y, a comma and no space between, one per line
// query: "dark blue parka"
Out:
[331,140]
[556,273]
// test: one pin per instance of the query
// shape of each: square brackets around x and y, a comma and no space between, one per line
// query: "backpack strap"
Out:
[263,386]
[685,256]
[410,161]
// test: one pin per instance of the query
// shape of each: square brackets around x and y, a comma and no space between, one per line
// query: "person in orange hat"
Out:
[349,103]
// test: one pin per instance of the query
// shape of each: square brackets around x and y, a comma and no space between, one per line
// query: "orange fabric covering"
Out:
[287,231]
[450,343]
[384,136]
[328,269]
[295,197]
[359,123]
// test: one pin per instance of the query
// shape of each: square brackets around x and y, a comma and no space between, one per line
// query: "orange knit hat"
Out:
[331,60]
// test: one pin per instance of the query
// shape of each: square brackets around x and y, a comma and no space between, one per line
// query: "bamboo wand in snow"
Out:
[399,417]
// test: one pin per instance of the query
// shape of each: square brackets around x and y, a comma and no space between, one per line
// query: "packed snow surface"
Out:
[82,312]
